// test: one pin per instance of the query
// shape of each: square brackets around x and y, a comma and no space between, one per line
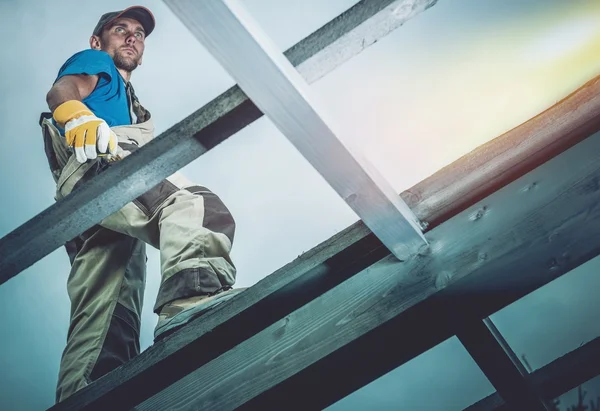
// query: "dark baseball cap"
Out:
[139,13]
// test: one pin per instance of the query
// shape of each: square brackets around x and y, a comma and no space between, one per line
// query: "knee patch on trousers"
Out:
[217,217]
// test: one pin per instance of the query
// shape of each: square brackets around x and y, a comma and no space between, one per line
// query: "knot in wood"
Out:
[478,214]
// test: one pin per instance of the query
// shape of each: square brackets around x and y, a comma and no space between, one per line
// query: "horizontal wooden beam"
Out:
[513,242]
[370,22]
[555,379]
[198,133]
[507,157]
[339,258]
[233,37]
[500,365]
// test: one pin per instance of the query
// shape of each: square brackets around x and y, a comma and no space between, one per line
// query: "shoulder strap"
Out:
[141,113]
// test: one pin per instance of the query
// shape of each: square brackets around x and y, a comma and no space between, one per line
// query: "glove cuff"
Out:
[69,110]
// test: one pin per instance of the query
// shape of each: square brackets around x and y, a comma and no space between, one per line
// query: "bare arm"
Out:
[71,87]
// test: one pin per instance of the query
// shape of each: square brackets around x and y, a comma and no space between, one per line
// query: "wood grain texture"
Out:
[557,378]
[507,157]
[342,256]
[371,21]
[513,242]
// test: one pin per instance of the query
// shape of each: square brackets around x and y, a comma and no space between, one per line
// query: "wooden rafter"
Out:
[555,379]
[509,244]
[345,312]
[342,38]
[494,273]
[238,43]
[501,365]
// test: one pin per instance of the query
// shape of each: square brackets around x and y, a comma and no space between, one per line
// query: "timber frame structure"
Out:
[348,311]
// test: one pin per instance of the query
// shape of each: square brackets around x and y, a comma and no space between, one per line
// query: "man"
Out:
[96,120]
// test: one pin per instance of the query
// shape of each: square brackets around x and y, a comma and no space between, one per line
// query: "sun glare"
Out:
[494,84]
[558,42]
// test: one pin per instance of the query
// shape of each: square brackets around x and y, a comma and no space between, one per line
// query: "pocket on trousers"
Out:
[151,200]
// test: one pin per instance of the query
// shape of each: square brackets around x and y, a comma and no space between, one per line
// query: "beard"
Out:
[125,62]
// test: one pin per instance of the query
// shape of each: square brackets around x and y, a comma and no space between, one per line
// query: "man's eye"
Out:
[119,30]
[139,35]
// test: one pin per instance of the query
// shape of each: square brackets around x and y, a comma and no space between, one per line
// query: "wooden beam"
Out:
[370,21]
[506,348]
[555,379]
[500,365]
[339,258]
[198,133]
[507,157]
[513,242]
[237,42]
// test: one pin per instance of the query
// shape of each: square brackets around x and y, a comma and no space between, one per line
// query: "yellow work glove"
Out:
[86,133]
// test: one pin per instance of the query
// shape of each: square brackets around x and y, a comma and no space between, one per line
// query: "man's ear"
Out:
[95,42]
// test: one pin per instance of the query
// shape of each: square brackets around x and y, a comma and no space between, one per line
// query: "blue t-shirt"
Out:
[108,101]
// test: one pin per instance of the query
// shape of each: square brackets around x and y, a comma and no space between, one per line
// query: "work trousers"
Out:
[190,226]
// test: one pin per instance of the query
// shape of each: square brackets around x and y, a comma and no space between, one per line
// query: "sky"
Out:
[456,76]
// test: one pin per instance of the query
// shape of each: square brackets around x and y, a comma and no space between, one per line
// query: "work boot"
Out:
[177,313]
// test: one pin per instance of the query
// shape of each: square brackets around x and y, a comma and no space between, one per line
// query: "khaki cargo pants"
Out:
[190,226]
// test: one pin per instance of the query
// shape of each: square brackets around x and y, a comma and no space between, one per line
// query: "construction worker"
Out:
[95,120]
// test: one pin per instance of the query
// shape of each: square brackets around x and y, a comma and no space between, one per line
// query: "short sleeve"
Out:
[89,62]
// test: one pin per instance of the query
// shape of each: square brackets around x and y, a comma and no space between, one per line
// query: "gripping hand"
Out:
[86,133]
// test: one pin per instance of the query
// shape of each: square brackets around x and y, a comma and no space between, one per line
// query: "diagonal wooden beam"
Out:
[555,379]
[198,133]
[237,42]
[501,366]
[352,250]
[513,242]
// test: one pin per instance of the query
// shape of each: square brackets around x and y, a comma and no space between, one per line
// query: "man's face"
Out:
[124,40]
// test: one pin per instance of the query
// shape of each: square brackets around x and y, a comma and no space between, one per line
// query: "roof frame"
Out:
[337,41]
[331,273]
[501,366]
[470,259]
[354,250]
[555,379]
